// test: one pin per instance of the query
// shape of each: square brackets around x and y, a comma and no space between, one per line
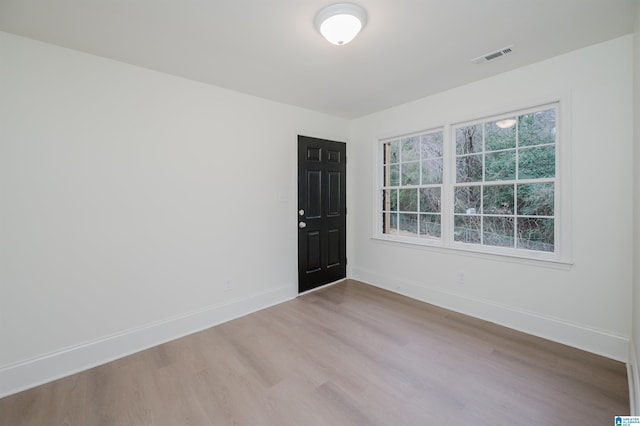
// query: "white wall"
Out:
[635,348]
[127,198]
[586,305]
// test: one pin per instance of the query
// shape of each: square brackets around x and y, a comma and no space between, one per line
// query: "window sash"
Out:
[411,192]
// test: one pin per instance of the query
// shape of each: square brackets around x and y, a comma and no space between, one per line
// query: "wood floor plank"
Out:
[348,354]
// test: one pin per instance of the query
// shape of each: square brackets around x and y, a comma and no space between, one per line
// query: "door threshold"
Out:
[322,286]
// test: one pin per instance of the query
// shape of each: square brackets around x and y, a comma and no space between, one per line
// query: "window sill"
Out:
[438,247]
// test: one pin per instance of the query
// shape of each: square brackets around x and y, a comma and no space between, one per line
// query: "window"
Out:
[489,185]
[412,190]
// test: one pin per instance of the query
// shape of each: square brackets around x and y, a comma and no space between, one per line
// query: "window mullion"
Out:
[446,203]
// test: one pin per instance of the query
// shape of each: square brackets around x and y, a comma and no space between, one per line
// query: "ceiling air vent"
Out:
[493,55]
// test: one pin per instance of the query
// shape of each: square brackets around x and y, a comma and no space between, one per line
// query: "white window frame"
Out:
[562,205]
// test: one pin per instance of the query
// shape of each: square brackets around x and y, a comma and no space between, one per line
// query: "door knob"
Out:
[302,225]
[301,212]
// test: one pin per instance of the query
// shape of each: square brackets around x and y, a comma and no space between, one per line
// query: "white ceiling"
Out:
[270,48]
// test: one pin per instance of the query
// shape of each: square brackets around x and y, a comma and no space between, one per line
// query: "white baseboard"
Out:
[634,380]
[578,336]
[34,372]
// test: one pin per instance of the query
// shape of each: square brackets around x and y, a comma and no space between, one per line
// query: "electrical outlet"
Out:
[227,285]
[460,277]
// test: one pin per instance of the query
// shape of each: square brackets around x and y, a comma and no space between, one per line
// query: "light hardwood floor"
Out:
[348,354]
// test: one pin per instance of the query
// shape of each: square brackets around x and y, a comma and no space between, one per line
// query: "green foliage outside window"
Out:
[412,198]
[498,176]
[509,171]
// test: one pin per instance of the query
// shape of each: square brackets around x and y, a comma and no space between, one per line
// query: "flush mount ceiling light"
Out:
[505,124]
[341,22]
